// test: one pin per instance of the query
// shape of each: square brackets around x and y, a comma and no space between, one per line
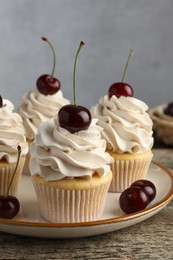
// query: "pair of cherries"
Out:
[137,196]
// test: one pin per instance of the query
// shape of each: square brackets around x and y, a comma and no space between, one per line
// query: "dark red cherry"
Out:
[9,206]
[1,102]
[74,118]
[133,199]
[147,186]
[119,89]
[169,109]
[48,84]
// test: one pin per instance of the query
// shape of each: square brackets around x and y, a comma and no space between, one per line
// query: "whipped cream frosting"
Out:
[56,153]
[127,126]
[12,133]
[37,108]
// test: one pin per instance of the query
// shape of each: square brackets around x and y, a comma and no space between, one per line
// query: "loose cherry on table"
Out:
[48,84]
[169,109]
[10,205]
[121,88]
[74,118]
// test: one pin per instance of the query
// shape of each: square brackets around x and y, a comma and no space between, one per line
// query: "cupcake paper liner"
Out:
[70,206]
[125,172]
[6,172]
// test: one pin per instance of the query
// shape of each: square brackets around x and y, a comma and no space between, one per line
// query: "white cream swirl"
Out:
[56,153]
[127,126]
[37,108]
[12,133]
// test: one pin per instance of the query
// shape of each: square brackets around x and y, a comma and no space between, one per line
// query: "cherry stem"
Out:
[74,72]
[130,55]
[54,56]
[17,163]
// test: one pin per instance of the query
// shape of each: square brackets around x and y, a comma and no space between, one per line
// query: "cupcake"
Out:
[12,134]
[69,166]
[127,129]
[41,104]
[70,172]
[162,117]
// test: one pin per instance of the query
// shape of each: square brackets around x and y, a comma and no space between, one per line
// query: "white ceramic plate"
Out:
[29,223]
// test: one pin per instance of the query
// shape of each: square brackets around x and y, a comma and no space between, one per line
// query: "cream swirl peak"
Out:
[56,153]
[127,126]
[37,108]
[12,133]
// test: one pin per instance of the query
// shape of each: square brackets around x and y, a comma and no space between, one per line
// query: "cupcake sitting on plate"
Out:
[69,166]
[127,129]
[12,135]
[41,104]
[162,117]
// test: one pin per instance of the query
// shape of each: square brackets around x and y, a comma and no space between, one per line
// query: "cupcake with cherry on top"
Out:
[127,129]
[69,166]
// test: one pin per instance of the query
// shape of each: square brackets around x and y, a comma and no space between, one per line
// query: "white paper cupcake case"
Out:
[125,172]
[70,206]
[6,173]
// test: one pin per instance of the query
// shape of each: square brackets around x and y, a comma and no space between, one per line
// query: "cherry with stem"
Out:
[9,205]
[119,89]
[74,118]
[48,84]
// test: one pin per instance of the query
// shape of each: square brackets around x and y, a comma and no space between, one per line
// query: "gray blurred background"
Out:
[110,29]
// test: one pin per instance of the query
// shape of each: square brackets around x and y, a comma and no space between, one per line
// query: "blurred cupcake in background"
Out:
[162,117]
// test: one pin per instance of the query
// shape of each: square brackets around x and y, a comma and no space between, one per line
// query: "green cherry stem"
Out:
[74,72]
[54,56]
[128,60]
[17,163]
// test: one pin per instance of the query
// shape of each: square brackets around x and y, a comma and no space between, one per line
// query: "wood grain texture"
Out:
[151,239]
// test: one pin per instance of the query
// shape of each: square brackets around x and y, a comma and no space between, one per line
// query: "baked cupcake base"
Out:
[6,173]
[72,200]
[128,168]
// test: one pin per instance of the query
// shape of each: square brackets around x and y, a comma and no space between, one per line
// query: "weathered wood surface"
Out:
[151,239]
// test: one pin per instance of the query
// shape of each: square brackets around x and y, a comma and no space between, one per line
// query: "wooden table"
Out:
[151,239]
